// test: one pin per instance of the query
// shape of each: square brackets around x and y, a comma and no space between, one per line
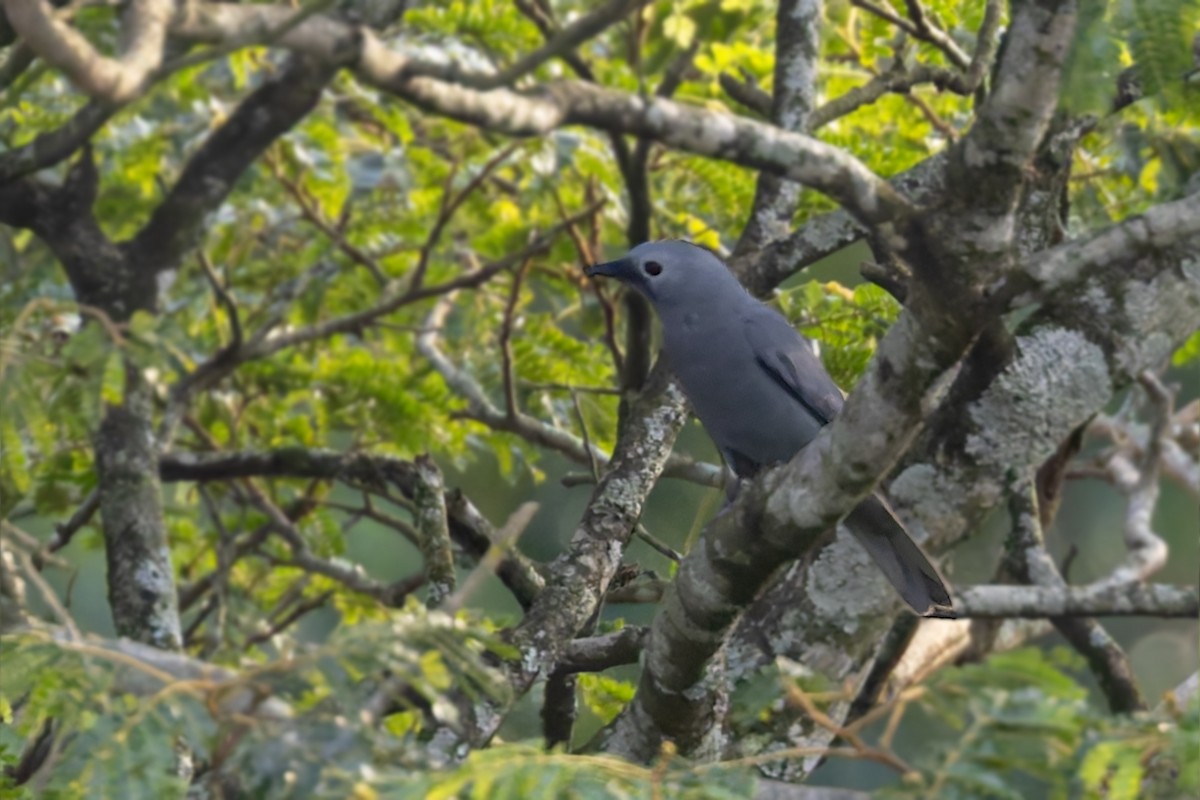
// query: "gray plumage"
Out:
[759,390]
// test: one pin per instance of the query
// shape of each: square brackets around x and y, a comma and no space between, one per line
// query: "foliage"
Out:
[342,213]
[845,323]
[1022,725]
[130,730]
[1018,724]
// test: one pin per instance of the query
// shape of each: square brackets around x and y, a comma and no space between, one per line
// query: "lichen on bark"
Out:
[141,582]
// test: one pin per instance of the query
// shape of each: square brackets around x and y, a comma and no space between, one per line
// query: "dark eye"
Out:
[653,268]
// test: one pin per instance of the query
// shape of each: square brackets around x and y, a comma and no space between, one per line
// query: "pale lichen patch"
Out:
[1057,379]
[933,496]
[844,583]
[1153,310]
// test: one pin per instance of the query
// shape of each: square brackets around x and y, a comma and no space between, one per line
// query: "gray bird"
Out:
[759,390]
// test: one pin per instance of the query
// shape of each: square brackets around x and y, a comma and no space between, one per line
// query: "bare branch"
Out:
[899,80]
[53,146]
[746,93]
[828,233]
[582,574]
[1147,551]
[987,41]
[1101,599]
[1028,560]
[352,576]
[312,213]
[790,155]
[451,204]
[141,578]
[264,345]
[481,408]
[505,337]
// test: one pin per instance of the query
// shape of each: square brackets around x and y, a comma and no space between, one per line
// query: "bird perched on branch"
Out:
[759,390]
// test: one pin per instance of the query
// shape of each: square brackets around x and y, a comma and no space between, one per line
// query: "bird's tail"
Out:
[908,568]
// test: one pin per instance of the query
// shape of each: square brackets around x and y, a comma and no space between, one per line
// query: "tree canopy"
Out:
[325,471]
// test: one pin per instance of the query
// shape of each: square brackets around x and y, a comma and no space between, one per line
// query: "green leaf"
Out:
[1188,352]
[605,696]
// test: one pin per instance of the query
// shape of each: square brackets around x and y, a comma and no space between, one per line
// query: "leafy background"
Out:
[381,174]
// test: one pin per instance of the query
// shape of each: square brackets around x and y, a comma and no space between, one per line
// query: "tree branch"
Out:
[433,532]
[582,574]
[598,653]
[53,146]
[1009,128]
[467,526]
[141,579]
[1028,561]
[797,47]
[543,108]
[114,81]
[481,408]
[1101,599]
[271,110]
[562,42]
[1158,228]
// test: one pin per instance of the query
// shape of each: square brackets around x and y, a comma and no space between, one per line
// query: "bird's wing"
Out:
[790,361]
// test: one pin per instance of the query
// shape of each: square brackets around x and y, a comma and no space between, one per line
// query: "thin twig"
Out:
[63,533]
[298,611]
[334,232]
[506,329]
[450,204]
[508,534]
[47,591]
[798,696]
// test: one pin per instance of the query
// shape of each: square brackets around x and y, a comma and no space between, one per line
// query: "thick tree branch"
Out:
[824,235]
[141,579]
[271,110]
[992,159]
[598,653]
[115,81]
[582,574]
[543,108]
[1159,227]
[791,155]
[53,146]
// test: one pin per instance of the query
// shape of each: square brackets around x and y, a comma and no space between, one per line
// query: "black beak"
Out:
[621,269]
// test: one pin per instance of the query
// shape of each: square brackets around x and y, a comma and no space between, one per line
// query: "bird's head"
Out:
[671,271]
